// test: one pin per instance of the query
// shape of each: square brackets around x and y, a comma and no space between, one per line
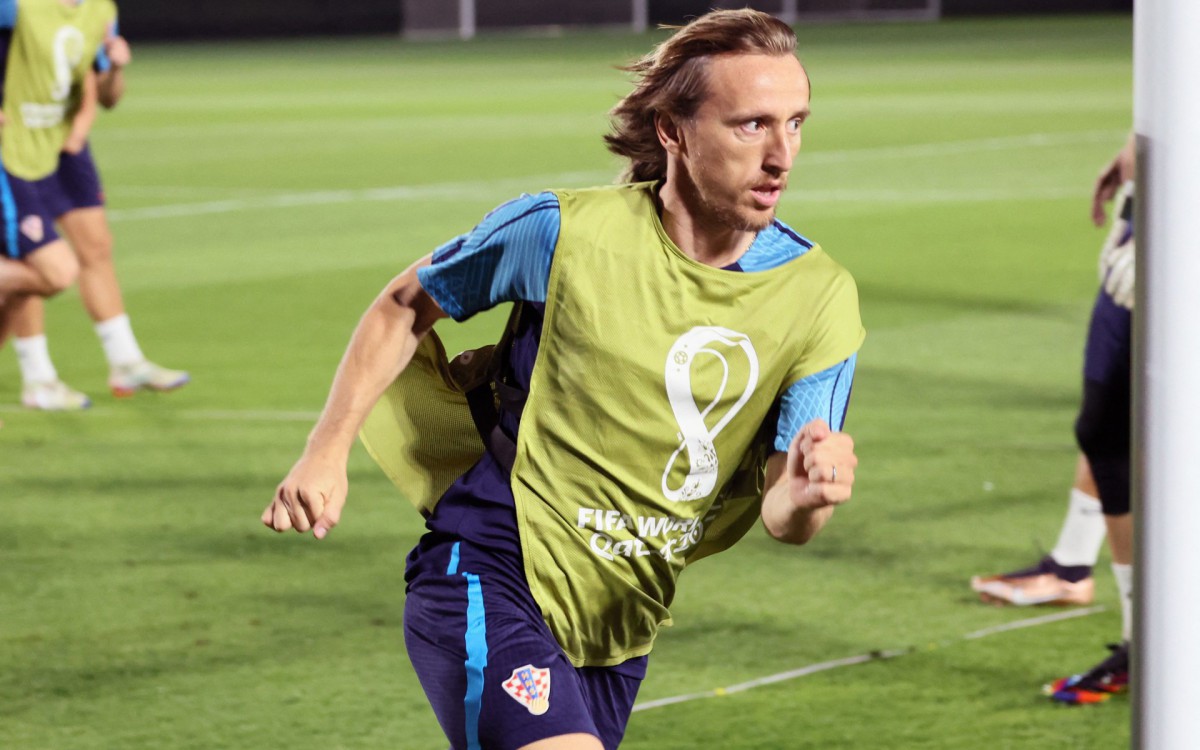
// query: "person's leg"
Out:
[1065,575]
[90,236]
[88,233]
[1082,533]
[1120,542]
[37,264]
[55,266]
[40,385]
[17,277]
[1103,433]
[33,258]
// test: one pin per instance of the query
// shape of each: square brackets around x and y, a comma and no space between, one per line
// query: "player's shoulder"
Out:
[106,14]
[776,245]
[779,245]
[522,206]
[625,193]
[779,234]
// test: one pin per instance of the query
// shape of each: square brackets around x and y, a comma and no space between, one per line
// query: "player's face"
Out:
[740,145]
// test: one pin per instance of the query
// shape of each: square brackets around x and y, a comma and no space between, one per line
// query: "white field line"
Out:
[1032,622]
[973,146]
[850,661]
[484,189]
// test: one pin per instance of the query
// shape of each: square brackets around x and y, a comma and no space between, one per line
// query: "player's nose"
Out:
[779,151]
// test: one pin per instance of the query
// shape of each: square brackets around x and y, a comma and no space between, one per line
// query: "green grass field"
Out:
[261,194]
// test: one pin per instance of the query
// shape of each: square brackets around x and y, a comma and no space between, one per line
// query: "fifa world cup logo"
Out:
[68,51]
[695,349]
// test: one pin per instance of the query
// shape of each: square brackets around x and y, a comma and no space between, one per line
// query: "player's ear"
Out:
[670,134]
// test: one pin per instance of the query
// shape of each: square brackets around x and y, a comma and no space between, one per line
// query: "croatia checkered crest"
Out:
[530,686]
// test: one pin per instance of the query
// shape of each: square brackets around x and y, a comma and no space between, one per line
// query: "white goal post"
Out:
[1166,650]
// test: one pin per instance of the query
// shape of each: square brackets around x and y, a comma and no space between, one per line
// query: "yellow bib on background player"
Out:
[53,46]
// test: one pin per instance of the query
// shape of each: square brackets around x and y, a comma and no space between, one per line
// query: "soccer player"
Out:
[76,200]
[50,101]
[667,325]
[1103,433]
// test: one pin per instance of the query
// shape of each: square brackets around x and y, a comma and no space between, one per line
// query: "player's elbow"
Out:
[406,297]
[796,527]
[795,537]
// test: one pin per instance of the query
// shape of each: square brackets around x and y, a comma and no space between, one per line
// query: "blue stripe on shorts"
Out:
[9,205]
[477,652]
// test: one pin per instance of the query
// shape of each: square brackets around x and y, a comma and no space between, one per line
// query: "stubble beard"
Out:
[728,214]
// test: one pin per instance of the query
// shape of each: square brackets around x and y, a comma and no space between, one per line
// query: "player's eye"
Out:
[752,126]
[794,125]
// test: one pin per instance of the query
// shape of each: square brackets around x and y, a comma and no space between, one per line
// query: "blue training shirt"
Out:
[507,257]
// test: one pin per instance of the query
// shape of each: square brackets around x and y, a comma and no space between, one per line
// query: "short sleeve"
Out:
[505,258]
[8,14]
[102,63]
[824,395]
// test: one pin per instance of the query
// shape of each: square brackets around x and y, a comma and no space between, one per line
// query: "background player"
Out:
[77,203]
[1103,433]
[532,603]
[50,102]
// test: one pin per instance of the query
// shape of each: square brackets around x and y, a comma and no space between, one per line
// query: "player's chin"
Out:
[758,219]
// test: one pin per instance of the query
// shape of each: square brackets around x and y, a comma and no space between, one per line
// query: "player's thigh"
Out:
[27,224]
[566,742]
[56,264]
[89,234]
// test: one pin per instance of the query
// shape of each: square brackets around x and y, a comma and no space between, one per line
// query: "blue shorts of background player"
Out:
[76,184]
[27,221]
[29,208]
[1103,426]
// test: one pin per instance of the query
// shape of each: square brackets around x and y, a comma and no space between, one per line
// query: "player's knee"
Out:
[1102,427]
[1088,433]
[96,251]
[60,274]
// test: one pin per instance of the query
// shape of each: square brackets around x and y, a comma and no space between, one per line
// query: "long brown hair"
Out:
[672,80]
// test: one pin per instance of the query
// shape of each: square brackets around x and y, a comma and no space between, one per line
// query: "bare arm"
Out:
[112,81]
[314,491]
[1120,169]
[804,485]
[85,116]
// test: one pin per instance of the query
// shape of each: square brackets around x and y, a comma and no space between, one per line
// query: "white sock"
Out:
[34,358]
[1082,532]
[1124,576]
[120,346]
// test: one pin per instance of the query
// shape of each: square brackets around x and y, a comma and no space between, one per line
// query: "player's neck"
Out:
[696,232]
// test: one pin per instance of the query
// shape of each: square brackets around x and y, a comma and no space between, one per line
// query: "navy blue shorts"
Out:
[25,219]
[76,184]
[1103,426]
[494,674]
[1109,346]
